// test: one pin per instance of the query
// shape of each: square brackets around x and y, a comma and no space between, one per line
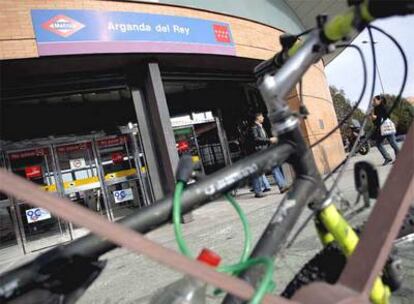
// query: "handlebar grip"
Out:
[270,65]
[388,8]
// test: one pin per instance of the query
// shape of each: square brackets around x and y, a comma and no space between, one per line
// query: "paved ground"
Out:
[129,278]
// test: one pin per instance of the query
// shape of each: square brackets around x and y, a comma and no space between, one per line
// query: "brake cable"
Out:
[361,96]
[365,121]
[397,99]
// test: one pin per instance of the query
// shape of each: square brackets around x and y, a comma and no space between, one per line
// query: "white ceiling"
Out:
[308,10]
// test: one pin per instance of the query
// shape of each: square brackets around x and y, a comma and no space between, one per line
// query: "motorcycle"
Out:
[352,134]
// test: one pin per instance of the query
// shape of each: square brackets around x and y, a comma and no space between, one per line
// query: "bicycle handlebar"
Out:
[342,25]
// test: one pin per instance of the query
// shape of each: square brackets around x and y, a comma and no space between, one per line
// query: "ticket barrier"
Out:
[106,175]
[125,173]
[37,228]
[78,177]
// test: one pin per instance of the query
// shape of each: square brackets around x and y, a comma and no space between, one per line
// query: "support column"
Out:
[157,134]
[223,138]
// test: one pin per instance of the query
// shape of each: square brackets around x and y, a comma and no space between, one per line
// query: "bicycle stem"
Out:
[275,87]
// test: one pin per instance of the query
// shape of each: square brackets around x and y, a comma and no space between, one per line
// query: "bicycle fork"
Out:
[335,228]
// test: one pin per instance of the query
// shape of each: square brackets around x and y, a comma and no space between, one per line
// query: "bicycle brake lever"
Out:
[276,62]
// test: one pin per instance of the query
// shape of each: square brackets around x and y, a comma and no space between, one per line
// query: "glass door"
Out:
[125,173]
[78,174]
[37,226]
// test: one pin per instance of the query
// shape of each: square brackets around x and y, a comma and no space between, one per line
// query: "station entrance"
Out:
[104,139]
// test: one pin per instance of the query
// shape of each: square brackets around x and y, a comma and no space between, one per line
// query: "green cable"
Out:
[182,245]
[266,285]
[179,188]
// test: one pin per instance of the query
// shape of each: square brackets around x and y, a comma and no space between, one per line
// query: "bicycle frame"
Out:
[340,231]
[292,148]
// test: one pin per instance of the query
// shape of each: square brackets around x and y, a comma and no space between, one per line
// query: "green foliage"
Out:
[402,116]
[342,107]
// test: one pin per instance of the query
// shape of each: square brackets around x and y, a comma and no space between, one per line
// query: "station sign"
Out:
[123,195]
[193,119]
[77,163]
[28,153]
[65,32]
[117,157]
[114,141]
[37,214]
[33,172]
[73,147]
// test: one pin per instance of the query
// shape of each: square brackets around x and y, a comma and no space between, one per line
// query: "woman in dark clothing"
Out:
[379,115]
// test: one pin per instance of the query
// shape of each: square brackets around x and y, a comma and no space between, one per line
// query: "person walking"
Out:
[279,178]
[260,141]
[384,128]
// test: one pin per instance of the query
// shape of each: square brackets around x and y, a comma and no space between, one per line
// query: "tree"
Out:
[402,115]
[343,107]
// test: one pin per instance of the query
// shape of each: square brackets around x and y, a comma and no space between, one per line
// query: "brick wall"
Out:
[252,40]
[318,100]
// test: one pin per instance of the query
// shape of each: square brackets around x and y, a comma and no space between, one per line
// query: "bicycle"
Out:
[51,271]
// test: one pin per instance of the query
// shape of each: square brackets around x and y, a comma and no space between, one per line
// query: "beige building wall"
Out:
[252,40]
[318,100]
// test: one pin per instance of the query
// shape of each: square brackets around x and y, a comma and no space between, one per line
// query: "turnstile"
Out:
[125,172]
[107,174]
[37,227]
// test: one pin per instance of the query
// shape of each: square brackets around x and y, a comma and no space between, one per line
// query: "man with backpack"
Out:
[259,140]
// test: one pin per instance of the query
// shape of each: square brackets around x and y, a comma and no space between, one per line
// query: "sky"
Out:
[345,71]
